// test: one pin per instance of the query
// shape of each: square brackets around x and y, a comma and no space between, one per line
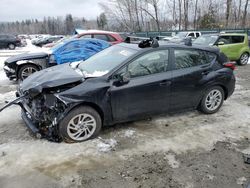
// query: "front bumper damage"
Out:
[48,131]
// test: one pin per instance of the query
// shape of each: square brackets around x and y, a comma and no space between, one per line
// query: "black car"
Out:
[71,102]
[9,41]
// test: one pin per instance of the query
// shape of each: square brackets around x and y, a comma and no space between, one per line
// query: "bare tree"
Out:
[180,13]
[229,3]
[245,14]
[185,4]
[195,14]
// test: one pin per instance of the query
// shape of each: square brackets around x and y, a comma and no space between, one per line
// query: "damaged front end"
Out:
[42,110]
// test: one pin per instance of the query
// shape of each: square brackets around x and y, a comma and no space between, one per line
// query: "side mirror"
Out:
[220,43]
[125,77]
[122,79]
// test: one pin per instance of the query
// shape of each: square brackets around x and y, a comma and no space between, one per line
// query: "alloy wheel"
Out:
[81,127]
[244,59]
[213,100]
[27,72]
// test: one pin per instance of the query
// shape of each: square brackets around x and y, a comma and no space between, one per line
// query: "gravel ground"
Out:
[189,149]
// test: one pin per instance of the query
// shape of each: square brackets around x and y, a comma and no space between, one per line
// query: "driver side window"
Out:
[151,63]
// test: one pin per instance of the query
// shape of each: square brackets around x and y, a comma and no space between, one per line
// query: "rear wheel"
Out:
[82,123]
[11,46]
[26,70]
[212,100]
[243,59]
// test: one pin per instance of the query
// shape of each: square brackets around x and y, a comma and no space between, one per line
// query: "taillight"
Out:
[230,65]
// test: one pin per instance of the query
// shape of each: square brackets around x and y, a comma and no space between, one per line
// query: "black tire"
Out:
[243,59]
[65,125]
[204,107]
[11,46]
[20,74]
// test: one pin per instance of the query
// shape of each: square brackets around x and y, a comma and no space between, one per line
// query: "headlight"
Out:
[52,59]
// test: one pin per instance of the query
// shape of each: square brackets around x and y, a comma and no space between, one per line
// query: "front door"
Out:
[148,91]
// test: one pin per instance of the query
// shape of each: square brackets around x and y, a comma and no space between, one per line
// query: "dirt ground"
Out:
[185,150]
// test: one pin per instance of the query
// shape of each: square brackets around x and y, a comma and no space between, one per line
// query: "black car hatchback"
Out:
[123,83]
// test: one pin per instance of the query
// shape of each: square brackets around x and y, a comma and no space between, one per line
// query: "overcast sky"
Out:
[12,10]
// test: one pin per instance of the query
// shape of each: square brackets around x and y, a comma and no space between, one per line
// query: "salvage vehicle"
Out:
[21,66]
[111,37]
[122,83]
[9,41]
[234,45]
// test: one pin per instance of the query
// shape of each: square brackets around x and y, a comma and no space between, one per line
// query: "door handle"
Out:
[165,83]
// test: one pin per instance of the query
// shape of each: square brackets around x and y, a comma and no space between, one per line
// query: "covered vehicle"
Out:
[234,45]
[21,66]
[125,82]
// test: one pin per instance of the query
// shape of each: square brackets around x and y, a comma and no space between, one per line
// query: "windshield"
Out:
[181,35]
[206,40]
[104,61]
[60,43]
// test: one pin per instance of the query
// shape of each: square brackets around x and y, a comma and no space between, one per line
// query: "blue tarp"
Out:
[77,49]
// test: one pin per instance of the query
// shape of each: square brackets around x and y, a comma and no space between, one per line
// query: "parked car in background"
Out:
[50,45]
[21,66]
[9,41]
[124,82]
[47,40]
[111,37]
[181,36]
[234,45]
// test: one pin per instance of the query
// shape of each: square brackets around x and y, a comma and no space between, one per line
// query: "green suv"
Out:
[233,45]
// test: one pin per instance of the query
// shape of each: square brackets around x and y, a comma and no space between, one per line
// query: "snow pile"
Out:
[129,133]
[7,96]
[106,145]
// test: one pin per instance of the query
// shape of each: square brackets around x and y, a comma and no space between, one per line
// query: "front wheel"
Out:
[212,100]
[26,70]
[80,124]
[243,59]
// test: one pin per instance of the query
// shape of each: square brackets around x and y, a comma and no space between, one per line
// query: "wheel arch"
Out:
[214,85]
[19,66]
[92,105]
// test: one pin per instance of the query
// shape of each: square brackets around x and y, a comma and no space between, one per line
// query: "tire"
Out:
[26,70]
[206,105]
[72,129]
[11,46]
[243,59]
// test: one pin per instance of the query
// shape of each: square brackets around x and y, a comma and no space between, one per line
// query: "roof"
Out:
[80,32]
[172,45]
[225,34]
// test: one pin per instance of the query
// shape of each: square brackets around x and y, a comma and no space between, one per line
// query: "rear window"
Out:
[189,58]
[237,39]
[222,58]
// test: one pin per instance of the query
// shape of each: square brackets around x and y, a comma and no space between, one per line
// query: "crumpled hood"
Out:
[51,77]
[26,56]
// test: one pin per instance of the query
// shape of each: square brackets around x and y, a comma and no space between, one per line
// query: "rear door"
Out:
[147,92]
[189,77]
